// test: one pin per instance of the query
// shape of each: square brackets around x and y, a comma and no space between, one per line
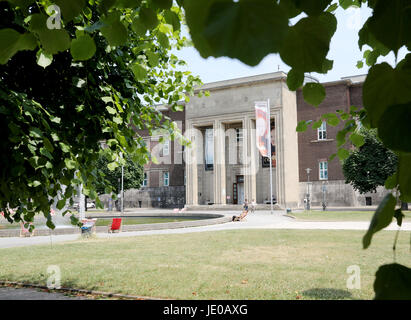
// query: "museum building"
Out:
[222,167]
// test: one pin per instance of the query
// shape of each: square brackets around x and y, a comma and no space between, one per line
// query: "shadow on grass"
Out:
[327,293]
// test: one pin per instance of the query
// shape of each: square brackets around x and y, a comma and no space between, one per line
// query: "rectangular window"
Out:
[145,180]
[239,133]
[166,179]
[322,131]
[209,149]
[323,166]
[166,148]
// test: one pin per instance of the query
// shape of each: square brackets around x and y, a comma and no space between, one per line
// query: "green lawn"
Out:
[234,264]
[315,215]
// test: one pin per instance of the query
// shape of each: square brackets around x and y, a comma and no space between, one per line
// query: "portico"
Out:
[223,165]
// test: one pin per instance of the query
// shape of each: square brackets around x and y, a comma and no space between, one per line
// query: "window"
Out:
[145,180]
[322,131]
[239,133]
[323,170]
[166,148]
[209,149]
[165,179]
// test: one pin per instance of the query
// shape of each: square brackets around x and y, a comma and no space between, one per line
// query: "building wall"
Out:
[156,194]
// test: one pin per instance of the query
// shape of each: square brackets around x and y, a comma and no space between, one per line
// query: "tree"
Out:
[133,175]
[369,166]
[63,91]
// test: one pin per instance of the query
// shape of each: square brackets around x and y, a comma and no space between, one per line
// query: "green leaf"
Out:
[112,166]
[48,144]
[360,64]
[391,182]
[390,23]
[70,8]
[149,18]
[392,282]
[312,7]
[307,43]
[65,148]
[83,48]
[295,79]
[50,224]
[163,4]
[343,154]
[314,93]
[381,219]
[111,110]
[242,30]
[345,4]
[138,27]
[317,124]
[384,87]
[11,42]
[54,41]
[331,119]
[398,215]
[60,204]
[357,139]
[70,164]
[163,40]
[301,126]
[140,73]
[404,176]
[44,59]
[172,18]
[332,7]
[153,58]
[394,127]
[114,31]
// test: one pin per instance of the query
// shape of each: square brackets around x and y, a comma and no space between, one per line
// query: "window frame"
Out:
[145,179]
[166,143]
[168,179]
[323,170]
[322,132]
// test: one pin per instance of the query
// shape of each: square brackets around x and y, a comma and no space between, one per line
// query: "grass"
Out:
[232,264]
[315,215]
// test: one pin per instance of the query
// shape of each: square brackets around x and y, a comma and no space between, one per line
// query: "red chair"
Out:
[115,225]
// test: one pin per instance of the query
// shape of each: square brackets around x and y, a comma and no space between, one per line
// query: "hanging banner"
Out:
[262,128]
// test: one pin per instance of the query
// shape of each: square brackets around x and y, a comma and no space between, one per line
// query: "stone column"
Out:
[219,163]
[251,160]
[191,166]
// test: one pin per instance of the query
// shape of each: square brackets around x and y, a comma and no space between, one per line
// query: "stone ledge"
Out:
[215,219]
[81,291]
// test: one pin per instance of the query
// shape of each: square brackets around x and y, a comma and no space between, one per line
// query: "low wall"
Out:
[161,197]
[213,219]
[339,194]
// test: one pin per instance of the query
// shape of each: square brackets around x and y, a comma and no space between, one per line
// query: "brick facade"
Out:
[340,95]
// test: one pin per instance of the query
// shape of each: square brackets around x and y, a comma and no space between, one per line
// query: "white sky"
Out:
[344,51]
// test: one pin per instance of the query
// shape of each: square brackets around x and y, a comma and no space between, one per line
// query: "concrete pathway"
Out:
[257,220]
[9,293]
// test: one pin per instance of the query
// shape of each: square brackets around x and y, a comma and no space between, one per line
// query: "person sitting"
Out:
[253,206]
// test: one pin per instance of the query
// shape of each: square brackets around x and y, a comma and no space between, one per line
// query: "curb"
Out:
[81,291]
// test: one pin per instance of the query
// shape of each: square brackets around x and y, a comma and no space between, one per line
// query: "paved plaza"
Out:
[257,220]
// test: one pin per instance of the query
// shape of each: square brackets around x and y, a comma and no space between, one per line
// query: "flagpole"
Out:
[270,153]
